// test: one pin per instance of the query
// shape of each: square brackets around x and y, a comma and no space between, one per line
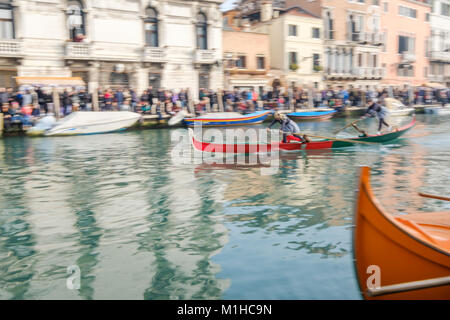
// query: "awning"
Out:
[434,85]
[50,81]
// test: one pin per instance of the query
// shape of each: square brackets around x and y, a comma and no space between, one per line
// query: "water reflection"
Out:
[17,241]
[140,226]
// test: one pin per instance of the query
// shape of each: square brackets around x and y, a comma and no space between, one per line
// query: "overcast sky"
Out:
[227,5]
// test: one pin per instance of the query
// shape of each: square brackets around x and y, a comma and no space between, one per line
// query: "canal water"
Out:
[134,224]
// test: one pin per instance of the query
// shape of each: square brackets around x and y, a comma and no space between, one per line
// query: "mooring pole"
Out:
[56,103]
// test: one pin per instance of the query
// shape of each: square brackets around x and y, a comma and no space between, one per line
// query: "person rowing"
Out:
[288,126]
[376,110]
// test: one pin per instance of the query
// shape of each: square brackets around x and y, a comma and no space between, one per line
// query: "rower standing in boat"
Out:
[288,126]
[375,109]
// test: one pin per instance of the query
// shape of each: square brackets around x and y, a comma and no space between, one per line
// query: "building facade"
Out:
[296,46]
[439,45]
[246,56]
[137,43]
[352,41]
[406,28]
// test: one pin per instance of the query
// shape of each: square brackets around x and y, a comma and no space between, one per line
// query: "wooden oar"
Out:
[409,286]
[349,125]
[433,196]
[329,138]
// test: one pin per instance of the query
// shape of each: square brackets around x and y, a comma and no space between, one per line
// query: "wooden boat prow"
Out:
[406,249]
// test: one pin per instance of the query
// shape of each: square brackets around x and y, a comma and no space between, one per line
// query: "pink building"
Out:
[406,28]
[246,55]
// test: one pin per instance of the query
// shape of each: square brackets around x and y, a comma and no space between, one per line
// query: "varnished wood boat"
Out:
[312,115]
[279,146]
[226,119]
[410,254]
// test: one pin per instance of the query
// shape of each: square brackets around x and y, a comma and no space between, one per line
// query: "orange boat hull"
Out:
[406,249]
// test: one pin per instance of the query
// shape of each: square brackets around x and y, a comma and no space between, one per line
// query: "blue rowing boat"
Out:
[221,119]
[312,115]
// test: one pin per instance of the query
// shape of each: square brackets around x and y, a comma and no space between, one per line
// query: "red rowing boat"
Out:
[279,146]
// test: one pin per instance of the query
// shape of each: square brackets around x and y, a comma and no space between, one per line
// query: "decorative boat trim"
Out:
[312,115]
[253,118]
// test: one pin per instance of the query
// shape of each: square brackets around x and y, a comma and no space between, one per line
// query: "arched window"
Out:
[151,27]
[6,20]
[75,20]
[202,33]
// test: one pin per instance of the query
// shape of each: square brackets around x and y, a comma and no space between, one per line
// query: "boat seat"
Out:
[436,225]
[430,218]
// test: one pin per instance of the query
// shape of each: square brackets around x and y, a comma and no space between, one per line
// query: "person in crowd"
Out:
[119,97]
[41,99]
[7,115]
[4,96]
[108,97]
[84,99]
[442,97]
[66,102]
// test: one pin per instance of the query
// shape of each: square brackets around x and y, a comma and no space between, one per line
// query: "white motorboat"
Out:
[438,110]
[92,122]
[396,108]
[44,124]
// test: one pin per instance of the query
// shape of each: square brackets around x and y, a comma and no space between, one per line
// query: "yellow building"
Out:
[296,46]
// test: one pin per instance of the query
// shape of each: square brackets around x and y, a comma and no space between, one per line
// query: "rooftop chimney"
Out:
[266,10]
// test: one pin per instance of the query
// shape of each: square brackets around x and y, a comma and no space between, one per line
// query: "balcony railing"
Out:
[205,56]
[380,72]
[77,50]
[356,37]
[370,72]
[339,73]
[155,54]
[329,35]
[436,78]
[10,48]
[440,55]
[408,57]
[373,38]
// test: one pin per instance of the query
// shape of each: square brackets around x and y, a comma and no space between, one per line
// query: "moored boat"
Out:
[312,115]
[280,146]
[397,108]
[399,257]
[438,110]
[90,122]
[220,119]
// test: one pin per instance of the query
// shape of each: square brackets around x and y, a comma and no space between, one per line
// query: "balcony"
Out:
[78,51]
[376,39]
[440,56]
[339,74]
[358,37]
[155,54]
[380,72]
[370,72]
[436,78]
[329,35]
[11,48]
[205,56]
[408,57]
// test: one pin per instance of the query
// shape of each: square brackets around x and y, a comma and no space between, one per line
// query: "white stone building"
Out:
[163,43]
[439,45]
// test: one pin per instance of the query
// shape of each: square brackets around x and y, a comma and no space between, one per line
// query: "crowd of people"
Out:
[34,101]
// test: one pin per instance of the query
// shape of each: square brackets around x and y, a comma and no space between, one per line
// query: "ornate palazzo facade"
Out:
[171,44]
